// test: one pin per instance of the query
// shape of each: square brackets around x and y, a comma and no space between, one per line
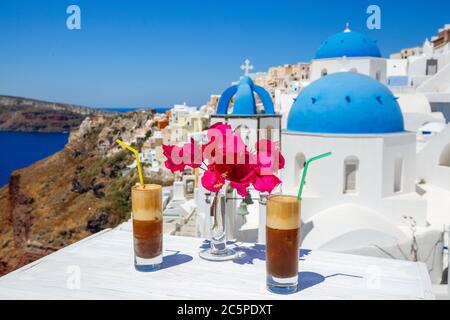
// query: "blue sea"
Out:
[21,149]
[157,109]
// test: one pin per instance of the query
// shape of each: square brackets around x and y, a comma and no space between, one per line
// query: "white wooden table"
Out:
[101,267]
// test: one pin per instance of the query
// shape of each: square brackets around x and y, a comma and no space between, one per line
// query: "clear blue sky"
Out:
[156,53]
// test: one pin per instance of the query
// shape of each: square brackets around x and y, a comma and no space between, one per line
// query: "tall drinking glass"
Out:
[282,243]
[146,203]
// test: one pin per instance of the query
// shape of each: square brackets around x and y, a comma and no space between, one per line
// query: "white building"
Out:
[363,198]
[373,162]
[244,117]
[345,51]
[349,51]
[427,73]
[180,110]
[417,112]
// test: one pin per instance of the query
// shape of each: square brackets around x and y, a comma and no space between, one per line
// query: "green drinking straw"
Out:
[305,170]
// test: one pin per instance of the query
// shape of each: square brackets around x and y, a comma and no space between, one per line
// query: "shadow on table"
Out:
[206,244]
[257,251]
[248,254]
[175,259]
[309,279]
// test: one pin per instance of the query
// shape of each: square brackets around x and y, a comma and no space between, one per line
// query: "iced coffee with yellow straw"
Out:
[147,216]
[146,203]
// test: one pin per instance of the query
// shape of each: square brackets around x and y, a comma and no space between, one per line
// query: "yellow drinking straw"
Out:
[136,154]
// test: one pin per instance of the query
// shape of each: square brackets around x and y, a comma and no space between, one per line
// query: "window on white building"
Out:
[324,72]
[269,132]
[444,160]
[351,165]
[378,75]
[432,67]
[398,174]
[244,132]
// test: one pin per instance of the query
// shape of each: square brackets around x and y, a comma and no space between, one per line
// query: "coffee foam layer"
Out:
[146,203]
[283,213]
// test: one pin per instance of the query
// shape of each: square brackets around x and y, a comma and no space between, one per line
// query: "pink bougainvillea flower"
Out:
[229,159]
[241,188]
[223,143]
[173,155]
[219,129]
[190,154]
[212,181]
[266,183]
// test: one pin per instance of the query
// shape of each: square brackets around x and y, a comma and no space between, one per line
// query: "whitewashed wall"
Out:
[367,66]
[325,182]
[396,67]
[428,157]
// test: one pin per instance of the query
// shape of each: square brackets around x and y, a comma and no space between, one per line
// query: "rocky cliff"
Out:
[22,114]
[76,192]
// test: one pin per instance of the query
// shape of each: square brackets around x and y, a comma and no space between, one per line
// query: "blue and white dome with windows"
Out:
[348,44]
[346,103]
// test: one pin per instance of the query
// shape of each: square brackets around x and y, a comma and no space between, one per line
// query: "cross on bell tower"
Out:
[247,67]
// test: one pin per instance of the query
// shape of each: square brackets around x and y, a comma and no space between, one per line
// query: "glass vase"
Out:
[218,250]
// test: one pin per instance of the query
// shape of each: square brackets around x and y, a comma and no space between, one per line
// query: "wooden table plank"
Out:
[105,265]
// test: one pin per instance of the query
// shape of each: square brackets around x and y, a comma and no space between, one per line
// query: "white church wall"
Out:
[325,183]
[396,67]
[377,69]
[247,128]
[399,162]
[431,164]
[373,67]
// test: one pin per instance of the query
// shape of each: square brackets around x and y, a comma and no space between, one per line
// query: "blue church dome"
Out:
[348,44]
[244,102]
[346,103]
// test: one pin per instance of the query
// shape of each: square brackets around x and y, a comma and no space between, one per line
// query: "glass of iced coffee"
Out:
[146,203]
[282,243]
